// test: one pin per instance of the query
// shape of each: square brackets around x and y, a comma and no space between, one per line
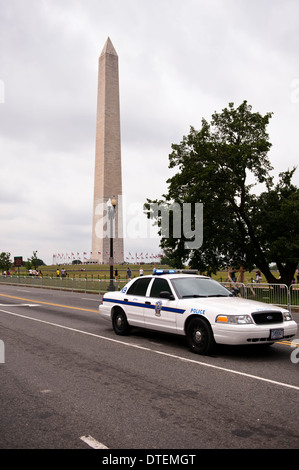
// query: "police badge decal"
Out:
[158,308]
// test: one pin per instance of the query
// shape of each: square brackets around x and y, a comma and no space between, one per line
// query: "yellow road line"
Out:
[49,303]
[289,343]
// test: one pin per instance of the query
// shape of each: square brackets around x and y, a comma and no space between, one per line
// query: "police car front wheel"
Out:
[200,336]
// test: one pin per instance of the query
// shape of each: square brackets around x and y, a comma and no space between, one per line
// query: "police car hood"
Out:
[227,305]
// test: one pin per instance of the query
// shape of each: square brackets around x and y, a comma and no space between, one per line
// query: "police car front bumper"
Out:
[253,334]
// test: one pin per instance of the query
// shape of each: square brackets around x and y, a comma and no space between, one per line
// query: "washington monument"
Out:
[108,176]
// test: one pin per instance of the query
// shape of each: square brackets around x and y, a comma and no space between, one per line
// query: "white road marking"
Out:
[93,442]
[19,305]
[161,353]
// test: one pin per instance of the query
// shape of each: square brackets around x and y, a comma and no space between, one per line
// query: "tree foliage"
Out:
[219,165]
[5,262]
[34,261]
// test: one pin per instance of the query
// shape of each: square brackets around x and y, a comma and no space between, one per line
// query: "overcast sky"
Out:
[178,62]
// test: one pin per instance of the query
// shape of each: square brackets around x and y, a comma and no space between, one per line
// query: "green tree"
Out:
[34,261]
[219,165]
[275,215]
[5,262]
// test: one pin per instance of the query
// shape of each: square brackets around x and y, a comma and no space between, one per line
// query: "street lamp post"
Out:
[111,214]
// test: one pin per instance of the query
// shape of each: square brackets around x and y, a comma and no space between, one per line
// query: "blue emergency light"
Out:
[174,271]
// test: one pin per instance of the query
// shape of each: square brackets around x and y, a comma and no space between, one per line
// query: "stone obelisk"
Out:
[108,176]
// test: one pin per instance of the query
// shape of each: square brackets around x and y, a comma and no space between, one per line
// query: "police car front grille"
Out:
[267,317]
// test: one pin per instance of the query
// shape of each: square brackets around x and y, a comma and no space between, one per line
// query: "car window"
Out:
[139,287]
[158,286]
[199,287]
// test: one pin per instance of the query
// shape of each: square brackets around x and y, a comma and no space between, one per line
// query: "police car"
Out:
[195,306]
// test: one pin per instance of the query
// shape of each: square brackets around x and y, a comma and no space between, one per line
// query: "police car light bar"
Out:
[175,271]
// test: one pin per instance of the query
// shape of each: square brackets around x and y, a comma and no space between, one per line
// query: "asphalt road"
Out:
[68,382]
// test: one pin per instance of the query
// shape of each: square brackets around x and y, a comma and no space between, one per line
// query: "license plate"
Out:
[277,334]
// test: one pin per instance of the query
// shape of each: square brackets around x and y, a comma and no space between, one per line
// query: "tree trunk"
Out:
[264,268]
[261,261]
[286,272]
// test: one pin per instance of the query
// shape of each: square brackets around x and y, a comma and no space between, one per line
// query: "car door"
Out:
[160,313]
[134,299]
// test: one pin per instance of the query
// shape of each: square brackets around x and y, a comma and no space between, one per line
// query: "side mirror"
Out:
[166,295]
[235,291]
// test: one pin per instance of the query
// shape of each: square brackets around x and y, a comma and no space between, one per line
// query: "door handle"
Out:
[148,303]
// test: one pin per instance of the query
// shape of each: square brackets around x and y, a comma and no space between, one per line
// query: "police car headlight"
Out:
[234,319]
[287,316]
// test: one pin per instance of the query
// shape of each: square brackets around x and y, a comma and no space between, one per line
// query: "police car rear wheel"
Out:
[199,336]
[120,323]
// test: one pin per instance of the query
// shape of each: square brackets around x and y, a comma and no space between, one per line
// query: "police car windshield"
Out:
[199,287]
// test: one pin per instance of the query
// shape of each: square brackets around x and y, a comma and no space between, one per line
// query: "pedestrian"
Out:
[232,275]
[129,274]
[140,272]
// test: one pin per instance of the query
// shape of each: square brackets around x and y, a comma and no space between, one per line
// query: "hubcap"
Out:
[119,321]
[198,336]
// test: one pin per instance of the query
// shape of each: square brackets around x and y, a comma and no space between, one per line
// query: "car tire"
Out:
[199,336]
[120,323]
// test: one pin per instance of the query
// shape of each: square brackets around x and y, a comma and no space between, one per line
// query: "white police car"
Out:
[195,306]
